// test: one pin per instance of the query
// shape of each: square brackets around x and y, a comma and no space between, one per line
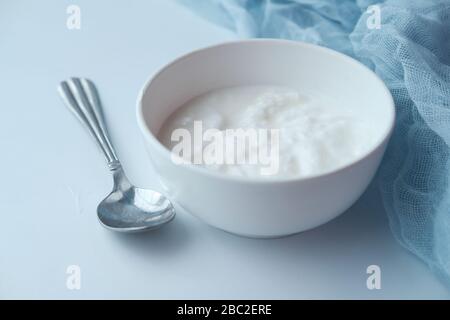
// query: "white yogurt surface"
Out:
[315,135]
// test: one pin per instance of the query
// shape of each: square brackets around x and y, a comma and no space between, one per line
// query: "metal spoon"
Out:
[126,208]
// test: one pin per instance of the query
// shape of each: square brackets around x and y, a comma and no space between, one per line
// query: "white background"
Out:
[53,177]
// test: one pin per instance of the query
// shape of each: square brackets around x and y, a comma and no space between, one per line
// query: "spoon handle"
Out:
[81,97]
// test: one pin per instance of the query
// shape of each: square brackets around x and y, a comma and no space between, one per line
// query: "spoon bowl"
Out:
[131,209]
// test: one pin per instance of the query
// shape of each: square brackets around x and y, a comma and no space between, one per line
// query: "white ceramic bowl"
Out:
[257,207]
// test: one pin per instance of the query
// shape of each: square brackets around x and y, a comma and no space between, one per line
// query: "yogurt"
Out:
[313,135]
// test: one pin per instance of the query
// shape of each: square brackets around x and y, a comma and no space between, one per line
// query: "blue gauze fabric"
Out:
[411,53]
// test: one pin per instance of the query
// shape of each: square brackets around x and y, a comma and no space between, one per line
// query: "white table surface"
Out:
[53,177]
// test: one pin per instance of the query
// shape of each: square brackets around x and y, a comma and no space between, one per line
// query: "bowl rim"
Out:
[150,137]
